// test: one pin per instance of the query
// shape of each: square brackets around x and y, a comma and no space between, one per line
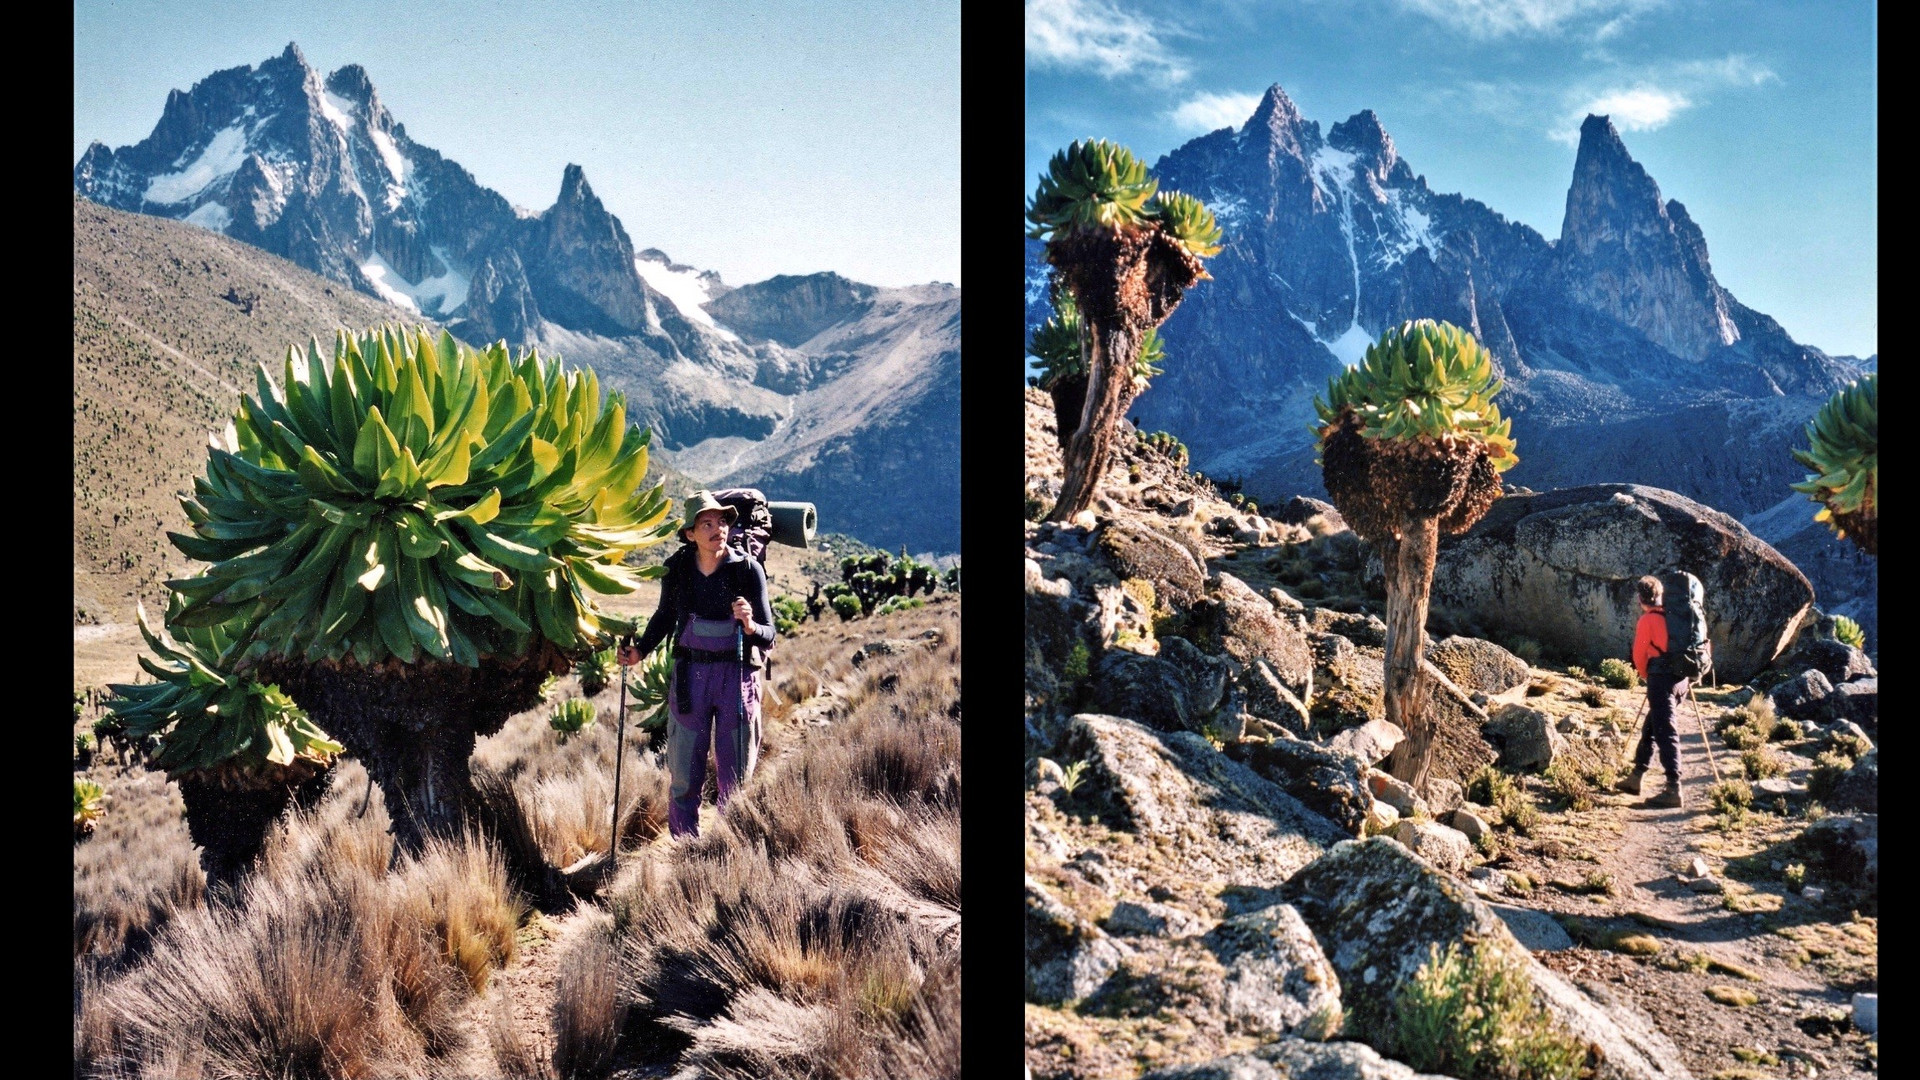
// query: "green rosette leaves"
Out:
[1057,344]
[1187,220]
[206,715]
[1422,380]
[414,499]
[1844,456]
[1091,184]
[649,688]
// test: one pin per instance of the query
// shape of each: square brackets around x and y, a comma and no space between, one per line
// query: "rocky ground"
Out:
[1221,883]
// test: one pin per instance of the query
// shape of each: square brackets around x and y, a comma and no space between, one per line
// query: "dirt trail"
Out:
[1737,934]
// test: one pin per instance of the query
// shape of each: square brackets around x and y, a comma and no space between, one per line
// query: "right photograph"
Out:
[1451,594]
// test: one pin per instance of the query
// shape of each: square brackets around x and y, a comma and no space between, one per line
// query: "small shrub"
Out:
[1761,762]
[1076,667]
[1618,674]
[1471,1013]
[1524,816]
[788,613]
[899,603]
[1634,944]
[1851,747]
[1597,881]
[1828,768]
[1540,687]
[1731,798]
[1311,588]
[1604,777]
[1575,671]
[846,605]
[1848,632]
[1566,783]
[1785,731]
[1593,695]
[1519,882]
[1795,876]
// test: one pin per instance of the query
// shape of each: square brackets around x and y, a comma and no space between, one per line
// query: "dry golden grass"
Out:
[815,932]
[587,1011]
[137,870]
[326,965]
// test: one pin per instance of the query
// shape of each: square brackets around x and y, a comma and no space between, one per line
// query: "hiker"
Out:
[1665,691]
[710,593]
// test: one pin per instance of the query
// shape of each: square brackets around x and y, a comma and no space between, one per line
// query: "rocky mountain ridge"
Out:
[315,169]
[1624,359]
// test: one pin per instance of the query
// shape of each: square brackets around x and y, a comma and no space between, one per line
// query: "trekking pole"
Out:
[1701,723]
[1633,740]
[619,757]
[740,658]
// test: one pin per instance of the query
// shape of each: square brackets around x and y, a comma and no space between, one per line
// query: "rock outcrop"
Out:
[1376,908]
[1560,568]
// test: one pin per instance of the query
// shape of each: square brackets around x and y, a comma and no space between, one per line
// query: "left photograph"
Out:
[503,648]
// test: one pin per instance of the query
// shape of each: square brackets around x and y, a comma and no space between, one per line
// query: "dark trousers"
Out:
[1664,695]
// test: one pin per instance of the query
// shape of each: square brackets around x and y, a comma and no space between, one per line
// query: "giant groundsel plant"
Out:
[1844,454]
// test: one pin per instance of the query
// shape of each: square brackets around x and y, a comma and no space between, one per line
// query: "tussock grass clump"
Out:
[134,875]
[587,1011]
[1471,1013]
[815,932]
[1594,696]
[1750,725]
[322,967]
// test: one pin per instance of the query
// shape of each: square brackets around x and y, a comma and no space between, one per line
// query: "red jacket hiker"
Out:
[1649,639]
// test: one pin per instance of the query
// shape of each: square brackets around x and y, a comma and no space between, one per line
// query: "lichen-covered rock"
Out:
[1178,690]
[1196,803]
[1067,957]
[1268,698]
[1560,568]
[1859,787]
[1134,551]
[1801,696]
[1349,683]
[1300,510]
[1837,660]
[1371,742]
[1376,909]
[1247,629]
[1525,737]
[1396,793]
[1151,919]
[1298,1059]
[1328,782]
[1470,824]
[1447,849]
[1278,983]
[1359,628]
[1444,797]
[1474,664]
[1857,701]
[1056,623]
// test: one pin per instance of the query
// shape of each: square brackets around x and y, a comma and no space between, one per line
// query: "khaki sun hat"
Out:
[701,501]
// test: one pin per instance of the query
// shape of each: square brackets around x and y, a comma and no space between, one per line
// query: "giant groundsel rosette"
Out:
[416,499]
[1845,458]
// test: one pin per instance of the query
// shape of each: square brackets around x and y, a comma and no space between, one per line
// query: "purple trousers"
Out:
[714,714]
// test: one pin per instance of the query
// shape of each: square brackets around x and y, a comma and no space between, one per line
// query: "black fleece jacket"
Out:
[686,591]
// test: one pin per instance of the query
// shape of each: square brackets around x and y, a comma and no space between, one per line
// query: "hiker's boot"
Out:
[1631,785]
[1671,799]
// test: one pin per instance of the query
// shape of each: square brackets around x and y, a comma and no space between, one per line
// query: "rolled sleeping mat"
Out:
[793,523]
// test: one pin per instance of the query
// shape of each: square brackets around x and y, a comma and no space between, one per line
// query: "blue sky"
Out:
[1760,117]
[735,137]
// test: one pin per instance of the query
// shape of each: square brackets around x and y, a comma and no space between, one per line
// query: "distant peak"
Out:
[1362,134]
[292,53]
[1598,135]
[351,82]
[1276,111]
[573,184]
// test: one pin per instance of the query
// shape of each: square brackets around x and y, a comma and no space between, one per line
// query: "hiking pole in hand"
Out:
[1633,741]
[619,754]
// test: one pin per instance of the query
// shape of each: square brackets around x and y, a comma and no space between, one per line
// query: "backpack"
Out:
[1689,654]
[752,527]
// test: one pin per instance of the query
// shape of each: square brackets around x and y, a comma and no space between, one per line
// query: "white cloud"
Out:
[1500,18]
[1651,103]
[1097,36]
[1210,112]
